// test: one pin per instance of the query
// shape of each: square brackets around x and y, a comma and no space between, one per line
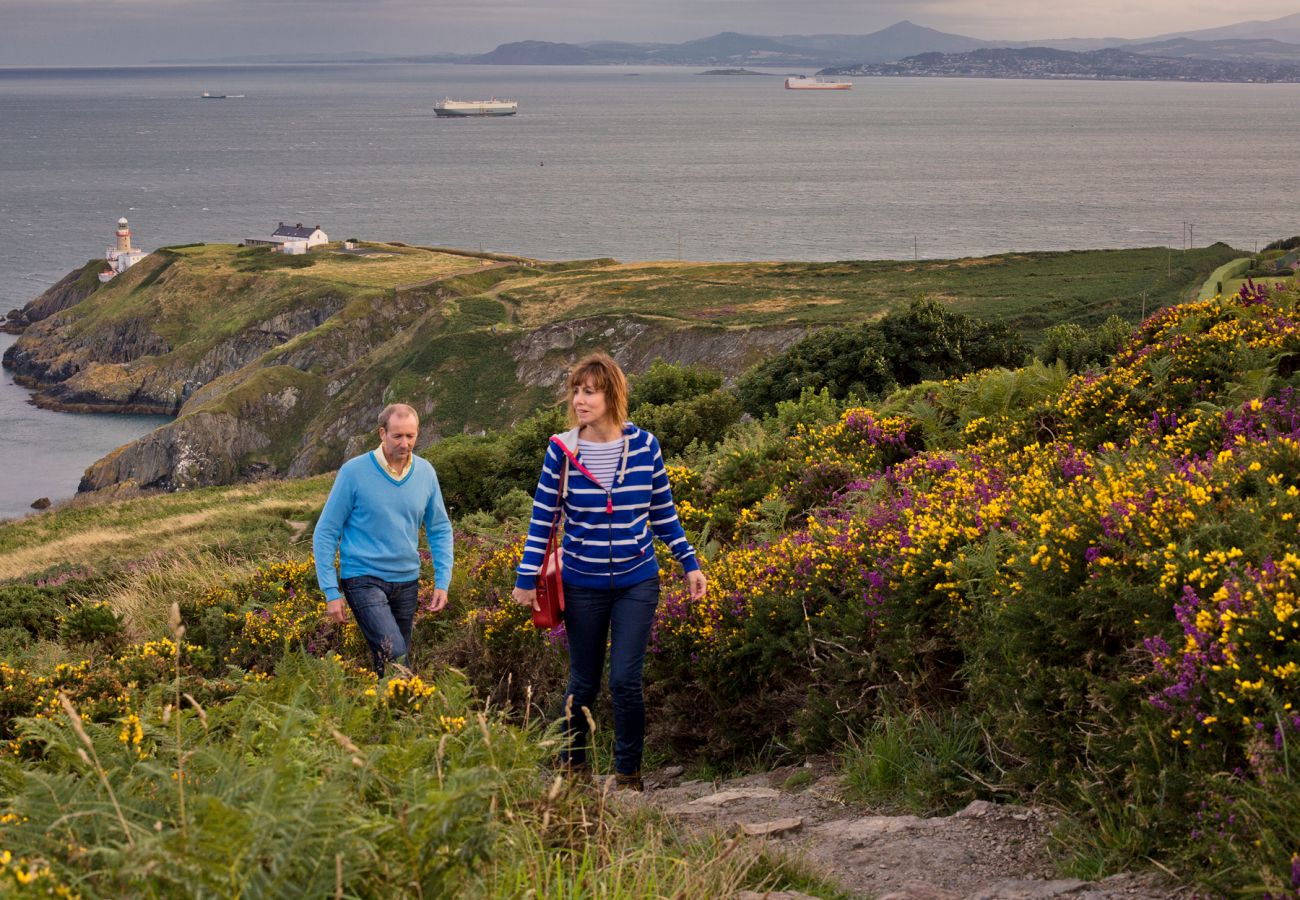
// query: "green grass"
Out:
[916,761]
[98,533]
[1030,291]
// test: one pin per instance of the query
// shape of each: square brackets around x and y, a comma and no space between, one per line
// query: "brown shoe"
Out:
[628,782]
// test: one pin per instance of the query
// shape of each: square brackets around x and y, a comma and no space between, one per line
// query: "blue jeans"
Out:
[621,616]
[384,612]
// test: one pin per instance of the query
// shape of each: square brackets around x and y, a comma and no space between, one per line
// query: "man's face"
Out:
[398,439]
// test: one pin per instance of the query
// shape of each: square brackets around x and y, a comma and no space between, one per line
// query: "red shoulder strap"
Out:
[573,458]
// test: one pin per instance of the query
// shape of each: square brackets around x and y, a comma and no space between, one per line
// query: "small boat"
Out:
[804,83]
[206,96]
[462,108]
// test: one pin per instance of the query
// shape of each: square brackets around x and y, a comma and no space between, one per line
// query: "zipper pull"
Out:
[609,503]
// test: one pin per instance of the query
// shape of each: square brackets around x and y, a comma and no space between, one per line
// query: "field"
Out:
[1029,291]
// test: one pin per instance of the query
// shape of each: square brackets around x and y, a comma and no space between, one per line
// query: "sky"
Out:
[122,32]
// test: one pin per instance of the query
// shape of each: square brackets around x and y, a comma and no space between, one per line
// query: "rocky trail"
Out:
[983,852]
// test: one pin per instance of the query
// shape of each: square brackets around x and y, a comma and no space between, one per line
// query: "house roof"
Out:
[295,231]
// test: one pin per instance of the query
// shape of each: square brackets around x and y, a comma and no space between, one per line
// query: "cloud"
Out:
[123,31]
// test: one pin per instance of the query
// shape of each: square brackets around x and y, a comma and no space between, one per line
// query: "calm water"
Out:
[601,162]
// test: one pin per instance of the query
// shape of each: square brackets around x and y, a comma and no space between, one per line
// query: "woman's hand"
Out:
[525,598]
[697,584]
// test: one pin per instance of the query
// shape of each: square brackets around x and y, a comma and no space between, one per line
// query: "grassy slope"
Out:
[102,533]
[428,345]
[1030,291]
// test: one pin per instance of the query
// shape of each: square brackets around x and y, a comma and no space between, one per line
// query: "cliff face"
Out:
[279,365]
[273,370]
[70,290]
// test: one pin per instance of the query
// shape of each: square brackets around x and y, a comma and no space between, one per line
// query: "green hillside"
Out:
[277,365]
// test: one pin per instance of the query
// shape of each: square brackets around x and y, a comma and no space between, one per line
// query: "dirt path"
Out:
[984,852]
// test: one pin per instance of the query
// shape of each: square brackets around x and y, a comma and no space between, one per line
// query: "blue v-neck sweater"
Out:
[373,521]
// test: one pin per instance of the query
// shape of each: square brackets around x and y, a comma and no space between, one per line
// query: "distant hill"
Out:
[1235,49]
[887,45]
[1285,29]
[537,53]
[1243,42]
[1049,63]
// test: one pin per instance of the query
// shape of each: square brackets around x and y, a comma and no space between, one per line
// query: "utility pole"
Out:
[1191,234]
[1184,237]
[916,253]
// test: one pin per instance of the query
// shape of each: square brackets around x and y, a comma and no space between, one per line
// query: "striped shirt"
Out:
[610,527]
[601,459]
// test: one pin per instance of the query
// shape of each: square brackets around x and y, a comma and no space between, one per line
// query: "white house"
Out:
[122,256]
[285,235]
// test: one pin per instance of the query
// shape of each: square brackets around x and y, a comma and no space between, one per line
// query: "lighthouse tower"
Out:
[121,257]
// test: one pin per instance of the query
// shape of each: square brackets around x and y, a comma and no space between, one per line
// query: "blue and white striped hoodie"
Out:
[608,529]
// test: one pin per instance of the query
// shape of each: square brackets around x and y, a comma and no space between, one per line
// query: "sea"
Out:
[632,163]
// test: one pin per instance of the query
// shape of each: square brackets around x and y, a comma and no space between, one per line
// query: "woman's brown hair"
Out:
[605,376]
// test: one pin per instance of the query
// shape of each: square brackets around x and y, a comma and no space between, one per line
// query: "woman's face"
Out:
[588,404]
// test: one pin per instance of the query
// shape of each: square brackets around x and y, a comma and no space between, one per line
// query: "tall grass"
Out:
[918,761]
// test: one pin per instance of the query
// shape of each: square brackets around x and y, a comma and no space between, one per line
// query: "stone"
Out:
[721,798]
[919,890]
[673,771]
[859,831]
[773,895]
[776,826]
[1029,889]
[42,503]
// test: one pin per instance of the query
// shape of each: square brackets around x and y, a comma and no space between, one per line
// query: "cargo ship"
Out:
[462,108]
[804,83]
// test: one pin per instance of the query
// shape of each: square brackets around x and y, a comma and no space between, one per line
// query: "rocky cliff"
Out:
[70,290]
[273,366]
[279,365]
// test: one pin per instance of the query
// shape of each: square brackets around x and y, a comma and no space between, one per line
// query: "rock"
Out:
[43,503]
[673,772]
[976,809]
[776,826]
[919,890]
[722,798]
[1029,889]
[773,895]
[859,831]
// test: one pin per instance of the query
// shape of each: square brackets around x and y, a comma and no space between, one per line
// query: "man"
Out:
[372,520]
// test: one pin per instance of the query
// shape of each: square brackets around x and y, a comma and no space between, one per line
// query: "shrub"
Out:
[704,418]
[1081,348]
[664,383]
[92,622]
[922,342]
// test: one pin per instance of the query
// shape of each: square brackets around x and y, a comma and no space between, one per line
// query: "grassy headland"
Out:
[277,364]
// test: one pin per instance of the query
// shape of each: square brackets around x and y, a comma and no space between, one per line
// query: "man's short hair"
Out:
[397,409]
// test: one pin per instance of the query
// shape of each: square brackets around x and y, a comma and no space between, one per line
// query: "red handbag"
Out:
[549,611]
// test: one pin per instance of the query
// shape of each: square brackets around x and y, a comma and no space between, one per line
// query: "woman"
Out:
[616,502]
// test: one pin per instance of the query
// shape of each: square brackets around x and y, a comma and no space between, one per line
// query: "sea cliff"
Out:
[277,365]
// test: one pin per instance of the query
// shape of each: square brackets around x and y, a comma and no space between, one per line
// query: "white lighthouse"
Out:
[123,256]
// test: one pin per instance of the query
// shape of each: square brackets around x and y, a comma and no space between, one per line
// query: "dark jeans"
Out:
[622,616]
[384,611]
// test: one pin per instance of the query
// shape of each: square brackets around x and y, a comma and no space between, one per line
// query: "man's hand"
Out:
[439,600]
[337,611]
[525,598]
[697,584]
